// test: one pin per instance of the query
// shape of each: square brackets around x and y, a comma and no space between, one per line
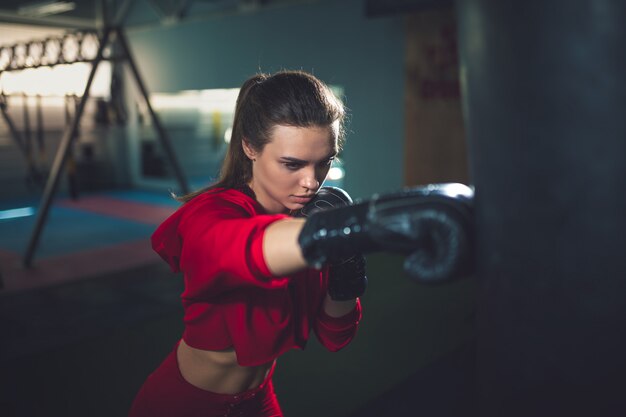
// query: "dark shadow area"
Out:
[444,388]
[84,349]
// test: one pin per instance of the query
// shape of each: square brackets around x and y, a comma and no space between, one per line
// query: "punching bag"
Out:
[544,90]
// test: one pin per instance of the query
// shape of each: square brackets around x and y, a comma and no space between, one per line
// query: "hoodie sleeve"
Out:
[218,245]
[334,333]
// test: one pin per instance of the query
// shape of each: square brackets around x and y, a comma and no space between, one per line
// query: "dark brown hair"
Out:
[288,98]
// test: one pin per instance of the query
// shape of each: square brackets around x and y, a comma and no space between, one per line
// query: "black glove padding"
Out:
[432,225]
[346,277]
[325,198]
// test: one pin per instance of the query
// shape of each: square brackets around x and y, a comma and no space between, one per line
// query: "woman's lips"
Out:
[302,199]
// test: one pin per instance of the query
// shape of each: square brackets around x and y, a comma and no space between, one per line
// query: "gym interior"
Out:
[110,108]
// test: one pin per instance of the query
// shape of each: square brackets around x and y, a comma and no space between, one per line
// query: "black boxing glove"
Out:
[432,225]
[326,198]
[346,277]
[347,280]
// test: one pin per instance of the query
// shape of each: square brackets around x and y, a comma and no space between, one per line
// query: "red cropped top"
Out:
[231,299]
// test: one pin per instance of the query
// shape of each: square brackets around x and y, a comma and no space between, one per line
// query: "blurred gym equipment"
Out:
[73,47]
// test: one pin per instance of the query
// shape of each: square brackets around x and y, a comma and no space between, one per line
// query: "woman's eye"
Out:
[292,166]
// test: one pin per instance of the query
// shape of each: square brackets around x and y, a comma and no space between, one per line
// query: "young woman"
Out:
[249,292]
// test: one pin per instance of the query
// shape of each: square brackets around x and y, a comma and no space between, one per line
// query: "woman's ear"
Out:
[247,149]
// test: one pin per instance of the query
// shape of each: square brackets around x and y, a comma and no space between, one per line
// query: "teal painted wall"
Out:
[332,39]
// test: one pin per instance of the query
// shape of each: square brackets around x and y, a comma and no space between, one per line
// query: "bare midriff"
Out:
[218,371]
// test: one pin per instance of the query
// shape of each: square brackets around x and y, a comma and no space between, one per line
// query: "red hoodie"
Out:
[231,298]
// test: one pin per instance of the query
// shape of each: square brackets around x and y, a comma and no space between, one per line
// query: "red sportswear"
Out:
[231,298]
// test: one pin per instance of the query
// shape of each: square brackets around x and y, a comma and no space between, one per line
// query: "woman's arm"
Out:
[338,308]
[283,256]
[281,250]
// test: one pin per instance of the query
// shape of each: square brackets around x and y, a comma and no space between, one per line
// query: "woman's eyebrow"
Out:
[292,159]
[302,161]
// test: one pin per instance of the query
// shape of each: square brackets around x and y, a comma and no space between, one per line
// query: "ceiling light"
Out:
[46,8]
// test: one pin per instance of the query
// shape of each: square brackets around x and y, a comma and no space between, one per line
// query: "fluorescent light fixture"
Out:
[46,8]
[15,213]
[59,80]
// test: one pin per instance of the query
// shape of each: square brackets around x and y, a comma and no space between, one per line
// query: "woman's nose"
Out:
[309,180]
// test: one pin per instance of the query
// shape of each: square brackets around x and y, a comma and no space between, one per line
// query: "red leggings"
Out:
[167,394]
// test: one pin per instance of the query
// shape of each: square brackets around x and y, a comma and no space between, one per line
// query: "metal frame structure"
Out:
[110,35]
[23,145]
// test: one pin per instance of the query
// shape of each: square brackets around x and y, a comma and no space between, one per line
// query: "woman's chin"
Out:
[291,206]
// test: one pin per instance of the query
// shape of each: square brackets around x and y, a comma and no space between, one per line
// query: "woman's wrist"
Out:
[338,308]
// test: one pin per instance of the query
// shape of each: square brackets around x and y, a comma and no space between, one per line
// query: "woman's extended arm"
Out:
[281,250]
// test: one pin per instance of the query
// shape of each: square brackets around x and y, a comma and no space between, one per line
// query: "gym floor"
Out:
[98,311]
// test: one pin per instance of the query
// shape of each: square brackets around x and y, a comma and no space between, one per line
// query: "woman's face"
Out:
[292,166]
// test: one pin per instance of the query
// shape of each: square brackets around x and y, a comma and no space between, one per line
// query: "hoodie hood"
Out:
[167,242]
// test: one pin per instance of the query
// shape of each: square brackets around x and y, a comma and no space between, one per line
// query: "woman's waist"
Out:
[219,371]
